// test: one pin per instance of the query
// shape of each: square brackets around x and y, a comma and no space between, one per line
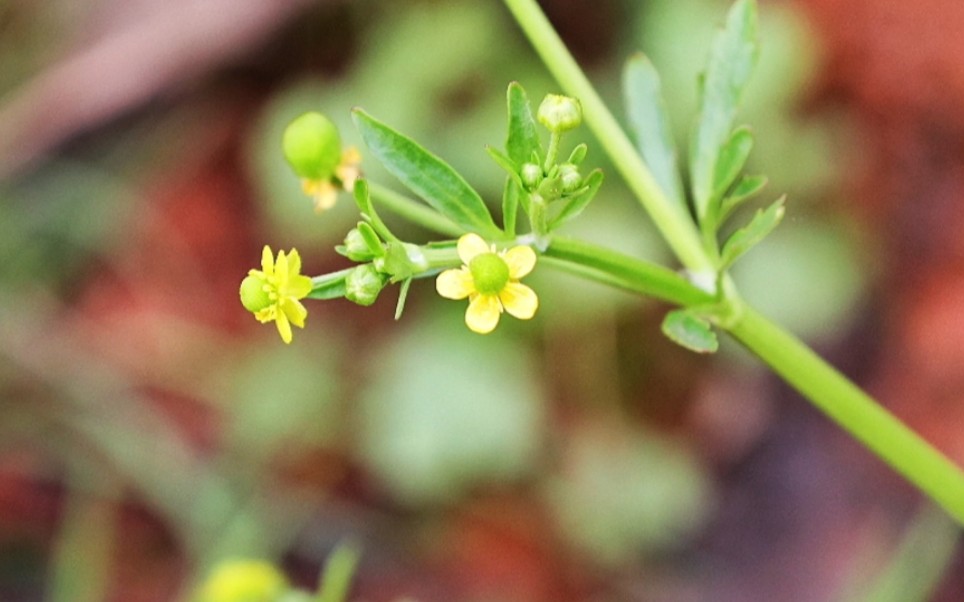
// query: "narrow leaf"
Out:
[688,330]
[510,206]
[746,189]
[732,58]
[426,175]
[749,235]
[650,124]
[575,205]
[732,159]
[523,137]
[506,163]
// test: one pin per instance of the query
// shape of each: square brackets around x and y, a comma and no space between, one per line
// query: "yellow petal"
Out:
[298,287]
[284,328]
[519,300]
[482,316]
[281,267]
[294,263]
[294,311]
[520,260]
[455,284]
[267,261]
[325,196]
[470,245]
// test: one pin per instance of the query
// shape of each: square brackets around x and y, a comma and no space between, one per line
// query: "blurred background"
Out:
[149,427]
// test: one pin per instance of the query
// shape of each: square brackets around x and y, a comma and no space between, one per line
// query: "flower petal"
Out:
[455,284]
[470,245]
[267,261]
[520,260]
[284,328]
[294,263]
[298,287]
[519,300]
[482,316]
[281,267]
[294,311]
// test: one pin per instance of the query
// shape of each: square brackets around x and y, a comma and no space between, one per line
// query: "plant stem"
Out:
[857,413]
[621,271]
[413,211]
[673,223]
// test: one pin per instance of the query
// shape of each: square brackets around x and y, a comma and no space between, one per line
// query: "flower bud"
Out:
[361,244]
[569,177]
[531,174]
[363,284]
[559,113]
[312,146]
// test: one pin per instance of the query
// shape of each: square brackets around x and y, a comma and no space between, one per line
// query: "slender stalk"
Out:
[412,210]
[857,413]
[673,223]
[621,271]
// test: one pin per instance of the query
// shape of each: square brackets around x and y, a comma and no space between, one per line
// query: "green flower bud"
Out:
[312,146]
[363,284]
[255,293]
[569,177]
[559,113]
[531,174]
[361,244]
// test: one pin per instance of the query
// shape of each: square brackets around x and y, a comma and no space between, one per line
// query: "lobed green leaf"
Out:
[575,205]
[750,235]
[427,176]
[732,58]
[650,124]
[732,159]
[747,188]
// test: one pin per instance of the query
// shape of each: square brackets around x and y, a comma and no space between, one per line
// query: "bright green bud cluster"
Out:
[312,146]
[569,177]
[362,244]
[531,174]
[559,113]
[363,284]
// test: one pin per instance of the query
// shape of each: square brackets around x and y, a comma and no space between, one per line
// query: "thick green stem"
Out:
[844,403]
[672,221]
[622,271]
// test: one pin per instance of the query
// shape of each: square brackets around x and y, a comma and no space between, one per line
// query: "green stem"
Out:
[621,271]
[413,211]
[844,403]
[672,221]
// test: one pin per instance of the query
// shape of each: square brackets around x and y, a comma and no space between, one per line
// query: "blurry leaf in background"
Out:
[806,275]
[443,413]
[623,492]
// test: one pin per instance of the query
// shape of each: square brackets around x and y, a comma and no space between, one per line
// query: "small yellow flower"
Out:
[490,280]
[242,581]
[273,292]
[324,192]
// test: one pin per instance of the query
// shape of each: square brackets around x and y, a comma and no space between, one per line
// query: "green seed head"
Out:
[490,273]
[254,295]
[312,146]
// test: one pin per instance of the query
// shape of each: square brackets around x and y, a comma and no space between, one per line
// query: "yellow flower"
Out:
[242,581]
[273,292]
[324,192]
[490,280]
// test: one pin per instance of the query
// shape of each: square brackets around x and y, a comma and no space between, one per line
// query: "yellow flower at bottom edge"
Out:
[490,280]
[242,581]
[273,293]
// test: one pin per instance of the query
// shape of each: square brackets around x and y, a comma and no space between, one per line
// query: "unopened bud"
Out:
[569,177]
[363,284]
[531,174]
[560,113]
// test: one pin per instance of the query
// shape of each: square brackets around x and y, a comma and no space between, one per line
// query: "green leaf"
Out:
[650,124]
[732,58]
[505,162]
[731,161]
[510,206]
[523,137]
[687,329]
[748,236]
[339,572]
[578,202]
[427,176]
[748,187]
